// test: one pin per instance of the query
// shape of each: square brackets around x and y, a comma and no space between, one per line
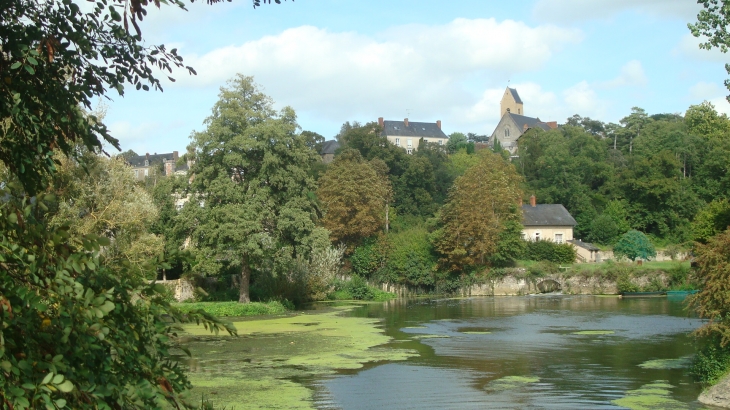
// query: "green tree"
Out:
[104,199]
[253,203]
[480,203]
[354,196]
[634,245]
[457,140]
[711,220]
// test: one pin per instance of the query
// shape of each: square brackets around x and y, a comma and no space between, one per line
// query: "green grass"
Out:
[646,266]
[234,308]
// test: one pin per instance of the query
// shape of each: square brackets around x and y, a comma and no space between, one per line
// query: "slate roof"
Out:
[329,147]
[546,215]
[521,120]
[138,161]
[414,129]
[584,245]
[516,96]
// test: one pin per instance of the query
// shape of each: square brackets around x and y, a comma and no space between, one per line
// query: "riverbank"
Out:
[717,395]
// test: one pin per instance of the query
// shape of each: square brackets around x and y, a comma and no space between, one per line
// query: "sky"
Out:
[354,60]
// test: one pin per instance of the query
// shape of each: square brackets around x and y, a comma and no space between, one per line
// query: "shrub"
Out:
[711,362]
[221,309]
[543,250]
[603,230]
[366,259]
[409,258]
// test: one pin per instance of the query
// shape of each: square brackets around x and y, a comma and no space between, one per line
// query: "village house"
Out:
[552,222]
[145,165]
[547,222]
[406,134]
[514,122]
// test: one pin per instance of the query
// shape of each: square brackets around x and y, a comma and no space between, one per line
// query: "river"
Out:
[531,352]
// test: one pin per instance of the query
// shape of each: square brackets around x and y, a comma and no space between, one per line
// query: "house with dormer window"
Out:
[406,134]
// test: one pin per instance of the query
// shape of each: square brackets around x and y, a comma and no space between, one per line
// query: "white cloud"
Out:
[134,136]
[346,75]
[582,99]
[631,74]
[566,11]
[704,91]
[689,47]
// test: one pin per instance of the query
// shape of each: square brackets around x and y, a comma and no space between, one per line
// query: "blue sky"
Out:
[346,60]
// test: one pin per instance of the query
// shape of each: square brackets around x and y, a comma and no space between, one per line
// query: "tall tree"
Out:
[355,196]
[480,203]
[253,195]
[712,23]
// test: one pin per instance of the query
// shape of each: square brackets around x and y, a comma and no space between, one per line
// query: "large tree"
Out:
[354,196]
[480,204]
[253,196]
[712,23]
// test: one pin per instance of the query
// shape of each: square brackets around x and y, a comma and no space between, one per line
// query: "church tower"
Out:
[511,102]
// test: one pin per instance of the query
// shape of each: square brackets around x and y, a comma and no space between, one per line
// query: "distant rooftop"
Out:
[413,129]
[516,96]
[546,215]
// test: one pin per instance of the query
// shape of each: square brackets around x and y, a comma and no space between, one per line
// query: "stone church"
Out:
[514,122]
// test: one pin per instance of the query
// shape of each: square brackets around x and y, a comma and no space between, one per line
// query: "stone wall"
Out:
[181,289]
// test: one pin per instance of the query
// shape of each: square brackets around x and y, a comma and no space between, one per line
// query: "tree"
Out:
[104,199]
[480,203]
[634,244]
[711,220]
[354,196]
[253,202]
[456,141]
[313,140]
[56,58]
[712,23]
[713,274]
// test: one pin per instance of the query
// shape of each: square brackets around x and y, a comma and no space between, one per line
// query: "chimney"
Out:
[381,122]
[405,121]
[438,124]
[147,155]
[524,128]
[552,124]
[175,156]
[533,201]
[520,203]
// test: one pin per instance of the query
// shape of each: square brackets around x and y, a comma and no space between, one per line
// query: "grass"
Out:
[234,308]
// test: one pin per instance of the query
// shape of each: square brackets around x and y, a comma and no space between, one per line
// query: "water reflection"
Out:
[573,351]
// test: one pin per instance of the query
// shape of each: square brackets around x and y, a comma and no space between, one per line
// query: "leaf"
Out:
[32,60]
[61,403]
[16,65]
[58,379]
[48,378]
[66,386]
[107,307]
[29,69]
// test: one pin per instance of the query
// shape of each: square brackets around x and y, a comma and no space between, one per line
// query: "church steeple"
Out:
[511,102]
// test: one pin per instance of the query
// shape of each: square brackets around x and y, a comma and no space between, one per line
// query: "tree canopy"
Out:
[253,196]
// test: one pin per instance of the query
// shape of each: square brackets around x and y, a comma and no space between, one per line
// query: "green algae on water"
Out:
[431,337]
[652,396]
[594,332]
[512,382]
[258,369]
[680,363]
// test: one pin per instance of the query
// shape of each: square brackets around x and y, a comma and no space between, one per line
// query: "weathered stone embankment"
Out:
[717,395]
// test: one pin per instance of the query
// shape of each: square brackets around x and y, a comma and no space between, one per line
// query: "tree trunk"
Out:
[243,285]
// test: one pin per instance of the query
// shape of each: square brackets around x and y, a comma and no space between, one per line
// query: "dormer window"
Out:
[146,162]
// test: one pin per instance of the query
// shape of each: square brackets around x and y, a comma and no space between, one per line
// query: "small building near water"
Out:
[587,252]
[547,222]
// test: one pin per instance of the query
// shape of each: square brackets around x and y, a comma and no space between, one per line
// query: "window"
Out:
[537,236]
[519,111]
[558,238]
[146,162]
[146,172]
[409,151]
[397,142]
[410,142]
[441,142]
[506,132]
[136,173]
[523,236]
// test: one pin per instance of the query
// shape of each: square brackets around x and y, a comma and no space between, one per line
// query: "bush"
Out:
[409,258]
[543,250]
[357,289]
[711,363]
[603,230]
[366,259]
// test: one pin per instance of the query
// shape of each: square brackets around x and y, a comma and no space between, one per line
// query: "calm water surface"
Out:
[481,340]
